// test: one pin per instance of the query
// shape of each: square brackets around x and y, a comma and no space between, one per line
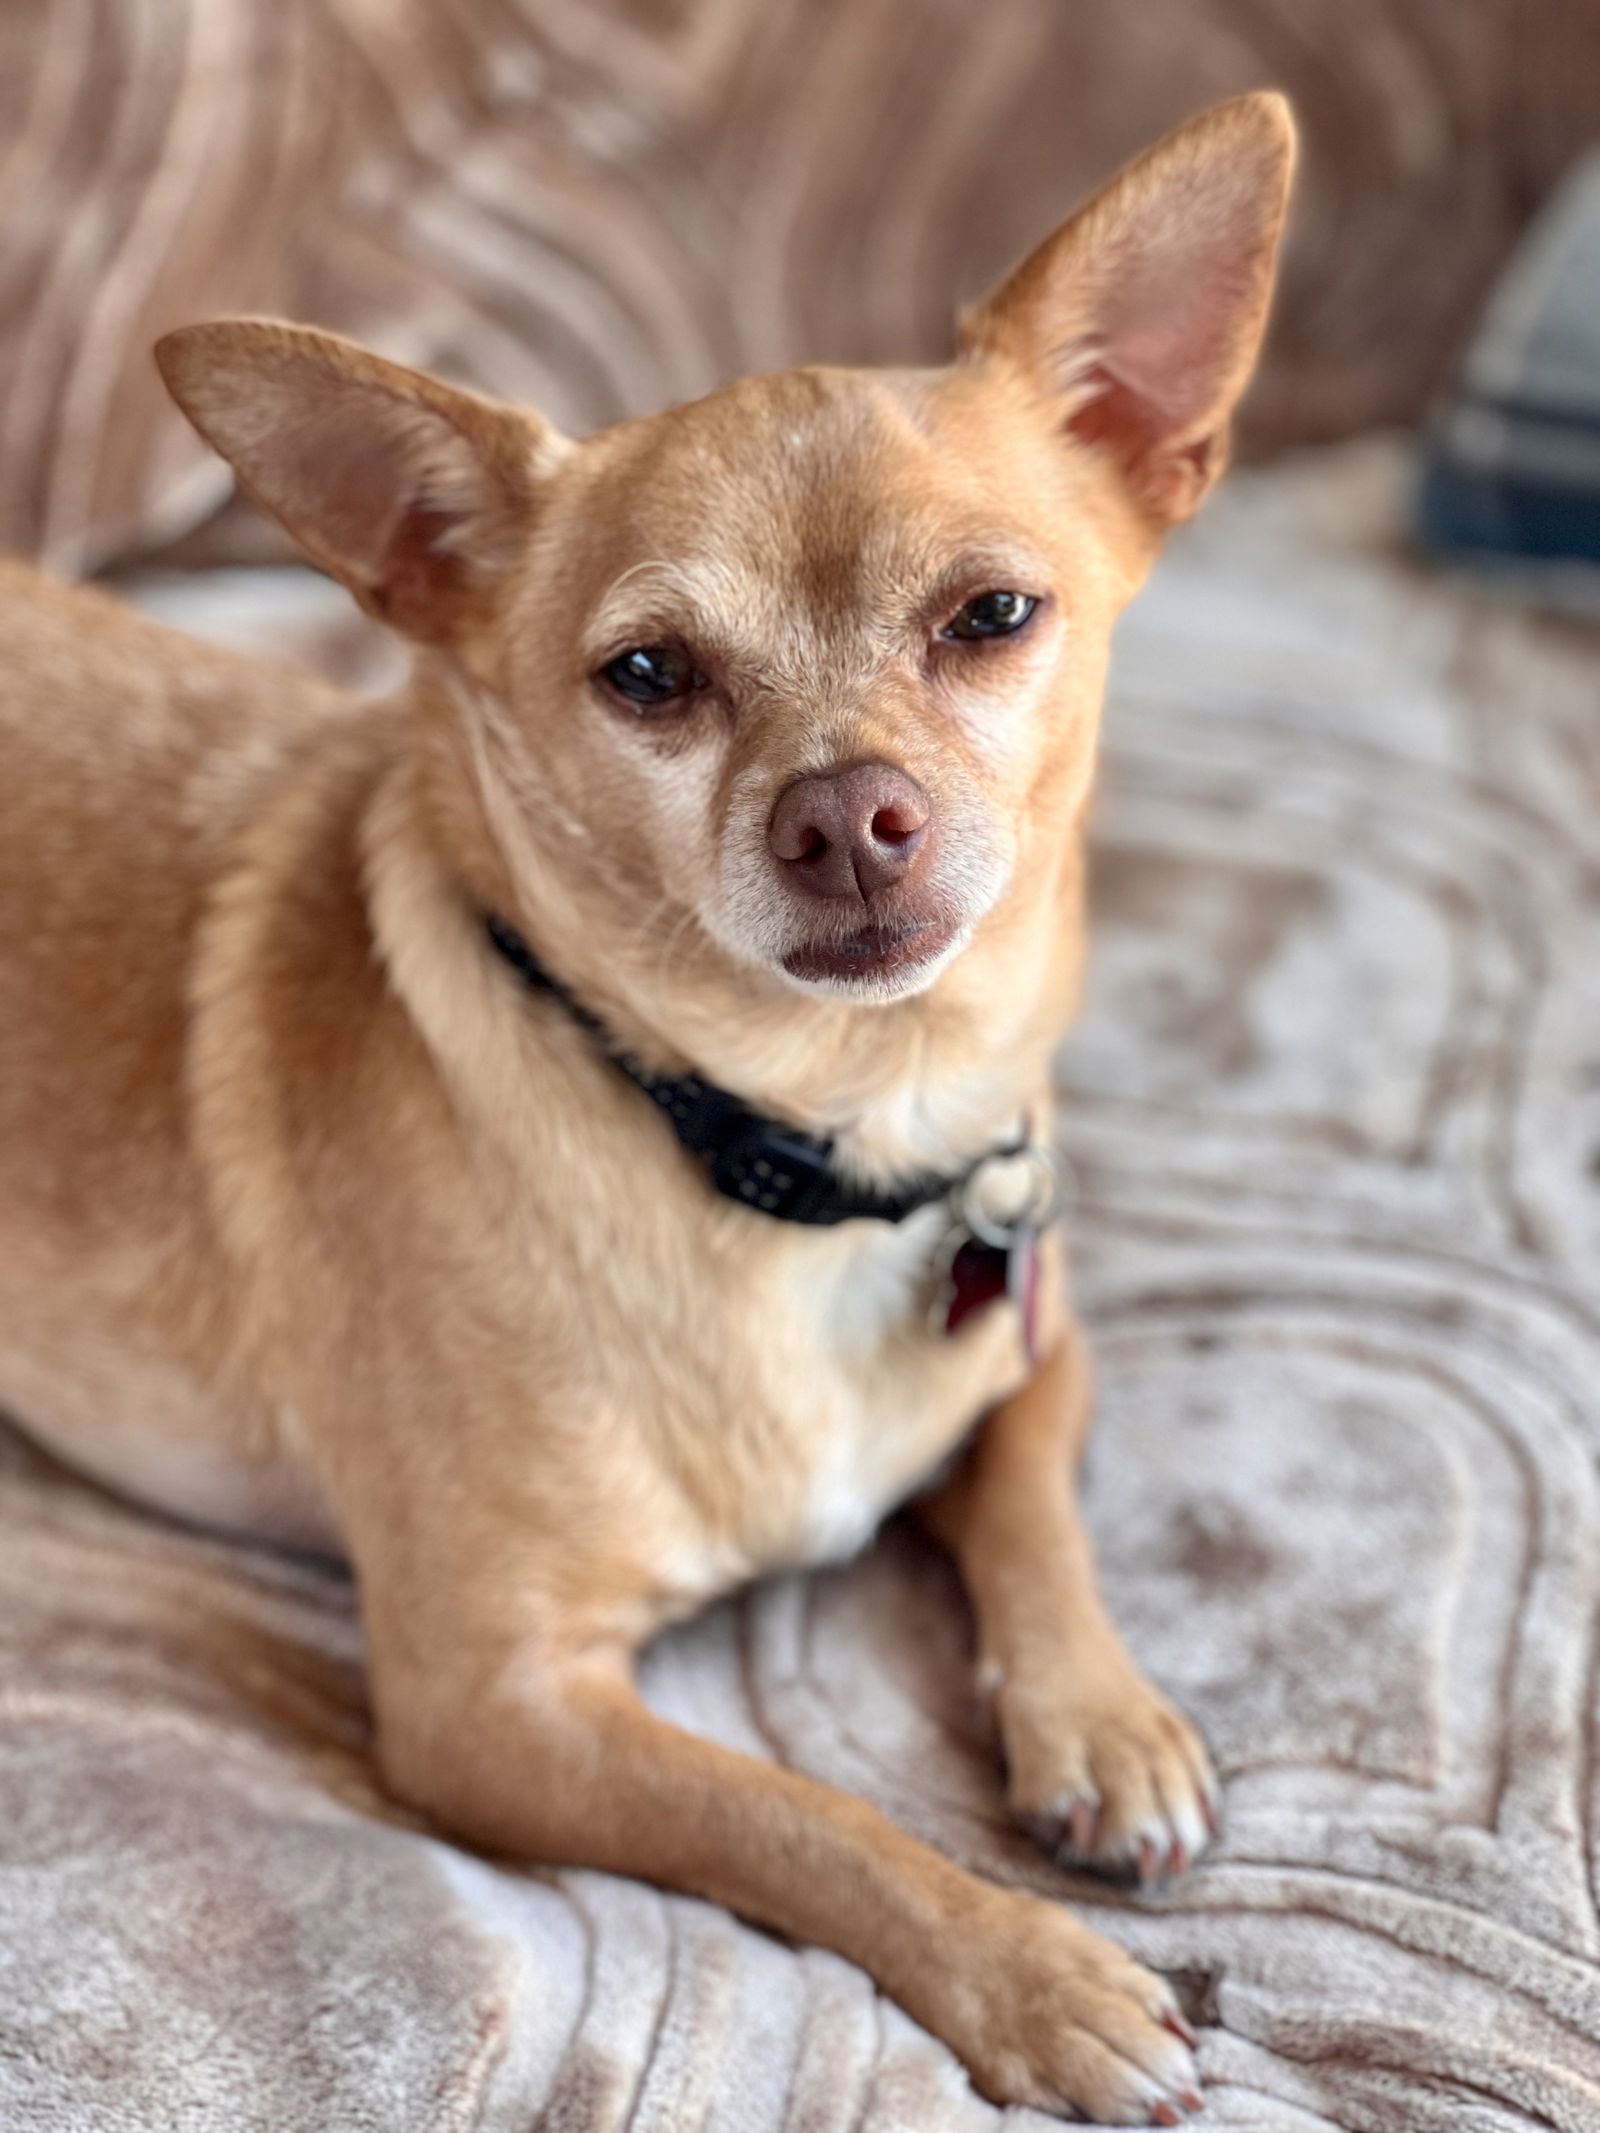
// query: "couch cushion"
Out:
[603,205]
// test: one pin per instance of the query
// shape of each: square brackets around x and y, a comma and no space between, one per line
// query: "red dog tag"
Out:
[979,1273]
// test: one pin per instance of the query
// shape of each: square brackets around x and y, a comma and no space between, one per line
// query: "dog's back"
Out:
[129,758]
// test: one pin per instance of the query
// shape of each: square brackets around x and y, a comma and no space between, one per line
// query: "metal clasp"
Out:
[1046,1196]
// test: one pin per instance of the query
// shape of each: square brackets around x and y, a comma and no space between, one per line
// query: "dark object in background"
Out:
[1512,468]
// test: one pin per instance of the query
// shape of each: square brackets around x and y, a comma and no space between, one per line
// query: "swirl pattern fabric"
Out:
[1333,1113]
[598,206]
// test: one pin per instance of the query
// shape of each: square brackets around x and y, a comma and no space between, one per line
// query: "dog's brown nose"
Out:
[850,833]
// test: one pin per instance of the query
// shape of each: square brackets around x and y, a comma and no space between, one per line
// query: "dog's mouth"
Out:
[872,954]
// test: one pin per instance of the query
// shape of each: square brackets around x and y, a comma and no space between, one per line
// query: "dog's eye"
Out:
[991,614]
[653,675]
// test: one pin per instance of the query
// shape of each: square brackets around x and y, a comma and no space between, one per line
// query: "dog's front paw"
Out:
[1044,2012]
[1103,1771]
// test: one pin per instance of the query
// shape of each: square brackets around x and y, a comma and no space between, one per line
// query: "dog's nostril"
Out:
[896,825]
[812,842]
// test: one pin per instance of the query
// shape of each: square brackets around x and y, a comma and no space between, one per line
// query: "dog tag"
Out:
[977,1274]
[980,1273]
[989,1253]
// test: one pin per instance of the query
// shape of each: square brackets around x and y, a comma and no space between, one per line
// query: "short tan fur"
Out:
[315,1221]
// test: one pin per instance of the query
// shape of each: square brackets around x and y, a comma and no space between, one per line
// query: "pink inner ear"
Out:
[382,480]
[1160,376]
[420,568]
[354,473]
[1147,435]
[1170,339]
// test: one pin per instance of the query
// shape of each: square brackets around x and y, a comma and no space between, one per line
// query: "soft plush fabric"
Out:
[1333,1113]
[601,205]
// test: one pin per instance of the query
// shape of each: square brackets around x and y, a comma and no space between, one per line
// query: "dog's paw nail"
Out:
[1174,2021]
[1192,2102]
[1149,1862]
[1044,1829]
[1083,1827]
[1164,2115]
[1178,1860]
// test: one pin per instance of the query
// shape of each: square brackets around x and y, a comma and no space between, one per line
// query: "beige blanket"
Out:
[1334,1113]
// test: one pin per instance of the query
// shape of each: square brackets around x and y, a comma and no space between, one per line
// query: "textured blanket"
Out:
[1333,1113]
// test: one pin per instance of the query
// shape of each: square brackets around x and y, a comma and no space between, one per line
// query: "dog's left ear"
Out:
[1142,317]
[416,495]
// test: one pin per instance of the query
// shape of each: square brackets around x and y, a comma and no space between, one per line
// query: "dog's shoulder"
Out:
[85,669]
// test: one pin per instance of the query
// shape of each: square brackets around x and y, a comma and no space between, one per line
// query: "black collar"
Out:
[776,1169]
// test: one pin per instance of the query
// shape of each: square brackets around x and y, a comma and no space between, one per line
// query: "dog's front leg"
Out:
[556,1759]
[1101,1768]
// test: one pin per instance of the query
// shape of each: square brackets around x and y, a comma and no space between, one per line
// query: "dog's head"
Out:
[803,675]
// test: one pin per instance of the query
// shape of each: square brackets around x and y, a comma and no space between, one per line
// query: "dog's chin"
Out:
[880,962]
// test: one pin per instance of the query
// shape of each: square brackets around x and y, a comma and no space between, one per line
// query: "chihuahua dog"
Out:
[574,1137]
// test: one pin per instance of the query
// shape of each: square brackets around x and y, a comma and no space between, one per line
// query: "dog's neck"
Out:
[913,1086]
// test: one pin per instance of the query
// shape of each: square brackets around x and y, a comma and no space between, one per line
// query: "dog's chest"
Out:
[859,1478]
[859,1397]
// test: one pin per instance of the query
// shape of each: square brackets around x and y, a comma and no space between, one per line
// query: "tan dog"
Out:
[767,726]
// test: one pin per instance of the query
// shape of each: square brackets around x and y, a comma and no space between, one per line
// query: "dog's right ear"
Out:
[416,495]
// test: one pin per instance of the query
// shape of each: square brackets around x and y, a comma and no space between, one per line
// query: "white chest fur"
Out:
[874,1399]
